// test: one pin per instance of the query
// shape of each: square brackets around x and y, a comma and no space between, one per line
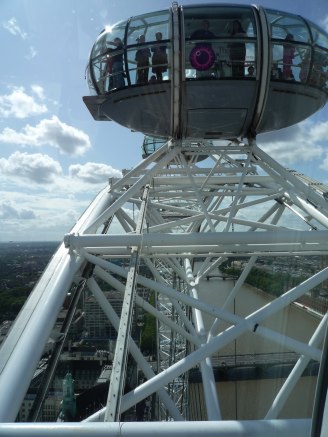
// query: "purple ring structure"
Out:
[202,57]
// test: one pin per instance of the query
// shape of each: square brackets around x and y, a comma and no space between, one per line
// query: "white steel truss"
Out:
[200,211]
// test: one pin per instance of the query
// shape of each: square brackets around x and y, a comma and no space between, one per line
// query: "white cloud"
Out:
[51,132]
[13,27]
[93,173]
[38,168]
[37,215]
[324,164]
[8,211]
[300,143]
[38,91]
[27,214]
[19,104]
[319,131]
[32,53]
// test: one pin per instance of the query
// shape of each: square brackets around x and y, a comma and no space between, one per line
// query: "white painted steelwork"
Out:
[117,380]
[283,428]
[197,216]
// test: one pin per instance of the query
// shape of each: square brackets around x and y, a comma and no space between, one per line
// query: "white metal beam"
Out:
[297,372]
[117,378]
[209,386]
[246,428]
[293,237]
[133,348]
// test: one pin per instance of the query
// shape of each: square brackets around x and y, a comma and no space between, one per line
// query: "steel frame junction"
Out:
[182,212]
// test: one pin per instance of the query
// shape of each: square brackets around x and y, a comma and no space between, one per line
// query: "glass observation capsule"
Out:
[213,71]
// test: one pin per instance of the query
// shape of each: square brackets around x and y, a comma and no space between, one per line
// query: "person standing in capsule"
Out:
[116,64]
[288,56]
[142,59]
[237,50]
[159,59]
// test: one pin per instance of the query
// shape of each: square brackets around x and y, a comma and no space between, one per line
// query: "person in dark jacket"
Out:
[237,51]
[159,58]
[142,58]
[116,64]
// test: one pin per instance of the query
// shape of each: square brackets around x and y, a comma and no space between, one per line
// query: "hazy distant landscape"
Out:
[21,265]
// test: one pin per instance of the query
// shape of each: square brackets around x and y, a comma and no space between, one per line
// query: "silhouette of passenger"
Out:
[319,75]
[287,58]
[204,32]
[115,65]
[142,58]
[250,71]
[305,67]
[237,51]
[159,59]
[153,79]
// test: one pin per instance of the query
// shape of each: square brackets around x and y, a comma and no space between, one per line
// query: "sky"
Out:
[54,158]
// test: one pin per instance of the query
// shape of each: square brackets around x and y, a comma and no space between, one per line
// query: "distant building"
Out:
[96,322]
[50,409]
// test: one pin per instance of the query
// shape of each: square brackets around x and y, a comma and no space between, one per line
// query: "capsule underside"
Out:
[213,71]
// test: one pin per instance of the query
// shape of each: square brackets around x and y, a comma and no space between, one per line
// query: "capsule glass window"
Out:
[106,63]
[320,38]
[148,48]
[319,72]
[283,24]
[220,42]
